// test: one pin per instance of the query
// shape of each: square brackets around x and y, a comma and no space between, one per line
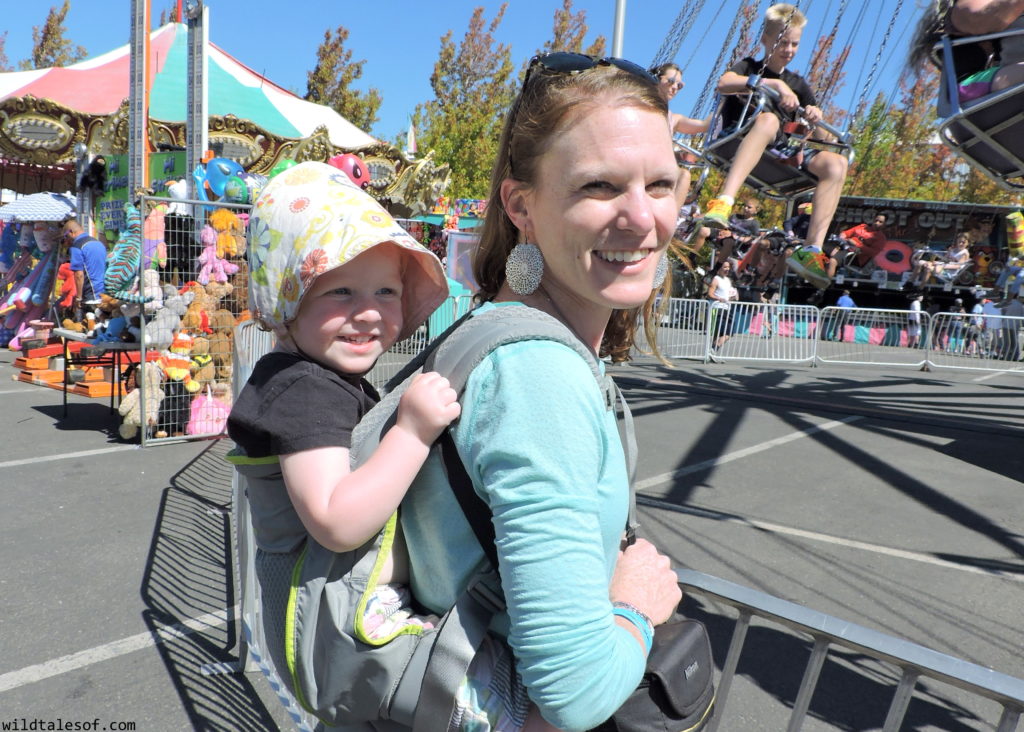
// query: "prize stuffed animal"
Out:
[230,233]
[66,288]
[211,266]
[132,409]
[203,369]
[176,366]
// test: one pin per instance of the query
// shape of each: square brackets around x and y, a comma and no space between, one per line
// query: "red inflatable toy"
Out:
[352,166]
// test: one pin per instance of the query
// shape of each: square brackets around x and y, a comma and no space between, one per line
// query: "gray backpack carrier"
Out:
[409,680]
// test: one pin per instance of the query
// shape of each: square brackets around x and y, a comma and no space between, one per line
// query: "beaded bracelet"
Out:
[635,616]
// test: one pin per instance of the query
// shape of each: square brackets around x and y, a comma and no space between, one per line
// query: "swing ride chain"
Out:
[677,34]
[878,57]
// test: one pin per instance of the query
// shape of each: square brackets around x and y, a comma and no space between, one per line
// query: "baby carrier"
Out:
[408,680]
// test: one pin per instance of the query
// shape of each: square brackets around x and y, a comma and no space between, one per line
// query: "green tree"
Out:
[49,46]
[570,30]
[4,66]
[330,82]
[473,87]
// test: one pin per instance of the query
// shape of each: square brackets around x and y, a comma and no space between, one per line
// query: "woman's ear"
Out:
[514,199]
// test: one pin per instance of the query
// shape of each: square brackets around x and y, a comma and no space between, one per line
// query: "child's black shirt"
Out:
[735,103]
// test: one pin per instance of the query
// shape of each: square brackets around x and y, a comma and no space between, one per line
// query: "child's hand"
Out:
[812,115]
[787,99]
[428,406]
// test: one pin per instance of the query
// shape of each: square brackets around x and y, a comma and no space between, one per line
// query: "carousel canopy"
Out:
[97,86]
[39,207]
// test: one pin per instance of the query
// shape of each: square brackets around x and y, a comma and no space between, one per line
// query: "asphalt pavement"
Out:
[889,498]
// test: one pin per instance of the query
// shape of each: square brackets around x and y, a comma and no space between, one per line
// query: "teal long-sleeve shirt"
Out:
[543,452]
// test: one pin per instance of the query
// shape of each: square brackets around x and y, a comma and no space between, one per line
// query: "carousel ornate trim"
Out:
[43,132]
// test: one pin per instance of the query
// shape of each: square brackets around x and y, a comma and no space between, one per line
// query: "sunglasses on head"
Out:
[564,62]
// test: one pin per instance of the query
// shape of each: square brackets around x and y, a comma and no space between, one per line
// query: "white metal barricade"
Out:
[682,332]
[911,660]
[762,332]
[873,337]
[976,341]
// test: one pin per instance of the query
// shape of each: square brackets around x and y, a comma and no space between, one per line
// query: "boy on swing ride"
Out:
[784,24]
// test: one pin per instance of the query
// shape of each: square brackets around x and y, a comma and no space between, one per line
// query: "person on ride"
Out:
[976,71]
[952,260]
[867,239]
[582,209]
[670,82]
[784,24]
[978,17]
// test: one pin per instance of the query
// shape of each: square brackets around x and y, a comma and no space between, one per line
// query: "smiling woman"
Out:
[582,210]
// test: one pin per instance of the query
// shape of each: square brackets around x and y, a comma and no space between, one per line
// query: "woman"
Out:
[951,261]
[670,82]
[721,292]
[582,210]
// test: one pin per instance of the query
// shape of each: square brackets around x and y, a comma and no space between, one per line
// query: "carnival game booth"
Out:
[46,113]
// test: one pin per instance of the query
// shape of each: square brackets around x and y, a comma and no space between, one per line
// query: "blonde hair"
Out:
[547,103]
[780,17]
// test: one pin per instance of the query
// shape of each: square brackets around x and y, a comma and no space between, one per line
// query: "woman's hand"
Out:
[644,578]
[427,407]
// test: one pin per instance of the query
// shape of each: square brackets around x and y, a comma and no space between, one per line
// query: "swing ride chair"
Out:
[962,275]
[693,160]
[770,176]
[987,132]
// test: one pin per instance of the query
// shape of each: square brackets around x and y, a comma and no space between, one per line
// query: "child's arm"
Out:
[343,509]
[733,83]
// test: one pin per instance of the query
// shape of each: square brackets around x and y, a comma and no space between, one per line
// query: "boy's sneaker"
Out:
[717,216]
[811,265]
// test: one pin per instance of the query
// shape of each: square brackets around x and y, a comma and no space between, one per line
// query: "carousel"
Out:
[48,117]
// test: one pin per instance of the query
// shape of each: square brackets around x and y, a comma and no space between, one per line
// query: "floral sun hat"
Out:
[311,219]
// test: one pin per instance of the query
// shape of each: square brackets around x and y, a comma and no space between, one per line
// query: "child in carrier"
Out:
[338,282]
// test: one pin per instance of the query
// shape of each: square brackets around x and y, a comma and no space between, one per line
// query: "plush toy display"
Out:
[212,267]
[131,409]
[154,248]
[66,287]
[196,319]
[230,233]
[159,331]
[210,412]
[203,369]
[176,366]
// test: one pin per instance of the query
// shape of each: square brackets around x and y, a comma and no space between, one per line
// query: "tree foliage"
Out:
[330,82]
[569,32]
[49,46]
[4,66]
[169,14]
[473,87]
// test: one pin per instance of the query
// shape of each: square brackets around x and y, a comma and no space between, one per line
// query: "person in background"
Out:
[952,260]
[867,239]
[914,321]
[796,226]
[670,81]
[783,28]
[722,293]
[844,316]
[978,17]
[88,257]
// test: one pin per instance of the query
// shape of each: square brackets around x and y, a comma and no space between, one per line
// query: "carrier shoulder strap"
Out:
[464,627]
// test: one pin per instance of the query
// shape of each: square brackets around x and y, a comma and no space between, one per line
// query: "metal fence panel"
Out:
[913,661]
[751,331]
[187,259]
[873,337]
[979,342]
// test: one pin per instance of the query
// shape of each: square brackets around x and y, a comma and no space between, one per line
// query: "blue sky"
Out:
[400,39]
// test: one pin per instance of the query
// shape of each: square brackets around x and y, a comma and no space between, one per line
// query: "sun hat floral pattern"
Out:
[311,219]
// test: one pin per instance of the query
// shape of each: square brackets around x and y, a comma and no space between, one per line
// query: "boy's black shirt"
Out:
[735,103]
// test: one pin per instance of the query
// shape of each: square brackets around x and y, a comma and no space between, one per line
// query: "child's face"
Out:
[784,50]
[352,314]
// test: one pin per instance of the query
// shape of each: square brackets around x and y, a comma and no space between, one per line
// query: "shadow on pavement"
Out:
[853,692]
[190,573]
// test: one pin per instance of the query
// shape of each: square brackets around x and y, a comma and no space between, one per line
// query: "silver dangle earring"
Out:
[660,271]
[524,268]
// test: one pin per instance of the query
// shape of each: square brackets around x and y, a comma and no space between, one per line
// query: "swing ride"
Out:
[987,132]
